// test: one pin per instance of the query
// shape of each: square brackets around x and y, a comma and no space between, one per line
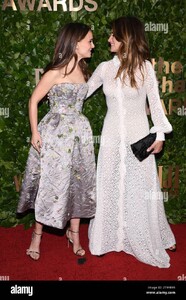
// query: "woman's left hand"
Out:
[157,146]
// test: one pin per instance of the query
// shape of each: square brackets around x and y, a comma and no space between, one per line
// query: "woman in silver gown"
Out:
[130,214]
[59,180]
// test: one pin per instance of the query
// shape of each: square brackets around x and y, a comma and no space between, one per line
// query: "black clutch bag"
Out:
[140,147]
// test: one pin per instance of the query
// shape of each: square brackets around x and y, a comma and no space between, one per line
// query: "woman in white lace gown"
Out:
[127,217]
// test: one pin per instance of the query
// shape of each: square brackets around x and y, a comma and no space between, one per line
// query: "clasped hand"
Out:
[36,141]
[157,146]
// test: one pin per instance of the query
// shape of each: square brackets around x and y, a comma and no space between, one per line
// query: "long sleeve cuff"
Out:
[160,136]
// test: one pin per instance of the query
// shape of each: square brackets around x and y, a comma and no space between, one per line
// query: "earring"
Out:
[60,55]
[124,55]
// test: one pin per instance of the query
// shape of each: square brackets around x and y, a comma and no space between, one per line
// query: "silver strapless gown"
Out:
[59,183]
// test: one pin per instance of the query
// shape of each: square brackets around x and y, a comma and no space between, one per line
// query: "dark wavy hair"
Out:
[134,48]
[65,48]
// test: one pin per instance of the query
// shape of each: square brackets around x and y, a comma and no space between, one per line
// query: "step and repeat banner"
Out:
[29,29]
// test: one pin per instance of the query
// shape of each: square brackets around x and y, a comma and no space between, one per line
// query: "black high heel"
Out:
[70,240]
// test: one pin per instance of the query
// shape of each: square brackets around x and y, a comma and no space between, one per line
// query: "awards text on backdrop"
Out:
[51,5]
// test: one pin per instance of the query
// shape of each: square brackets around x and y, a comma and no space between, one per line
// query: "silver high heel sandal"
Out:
[35,255]
[80,251]
[172,249]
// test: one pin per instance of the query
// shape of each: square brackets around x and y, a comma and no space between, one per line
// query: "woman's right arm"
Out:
[44,85]
[96,80]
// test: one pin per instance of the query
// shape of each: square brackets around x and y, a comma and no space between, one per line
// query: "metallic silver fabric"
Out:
[59,183]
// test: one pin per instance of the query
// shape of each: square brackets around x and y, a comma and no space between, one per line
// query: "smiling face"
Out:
[85,46]
[114,44]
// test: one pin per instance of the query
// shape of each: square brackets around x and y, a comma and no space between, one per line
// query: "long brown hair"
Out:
[65,48]
[134,48]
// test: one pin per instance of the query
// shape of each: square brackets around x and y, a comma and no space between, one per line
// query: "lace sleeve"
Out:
[159,119]
[96,80]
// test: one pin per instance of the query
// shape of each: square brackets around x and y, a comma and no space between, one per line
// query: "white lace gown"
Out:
[130,213]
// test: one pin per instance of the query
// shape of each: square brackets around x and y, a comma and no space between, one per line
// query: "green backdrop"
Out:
[27,43]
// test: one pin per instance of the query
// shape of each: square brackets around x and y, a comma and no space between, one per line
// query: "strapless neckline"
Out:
[71,83]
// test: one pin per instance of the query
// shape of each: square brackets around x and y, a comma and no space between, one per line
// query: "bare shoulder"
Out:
[51,78]
[52,74]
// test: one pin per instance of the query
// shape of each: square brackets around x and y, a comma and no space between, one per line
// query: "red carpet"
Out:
[58,262]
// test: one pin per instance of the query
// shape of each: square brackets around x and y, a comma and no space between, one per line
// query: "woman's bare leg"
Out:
[73,236]
[34,249]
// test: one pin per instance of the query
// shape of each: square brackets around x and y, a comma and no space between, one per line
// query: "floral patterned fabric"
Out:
[59,183]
